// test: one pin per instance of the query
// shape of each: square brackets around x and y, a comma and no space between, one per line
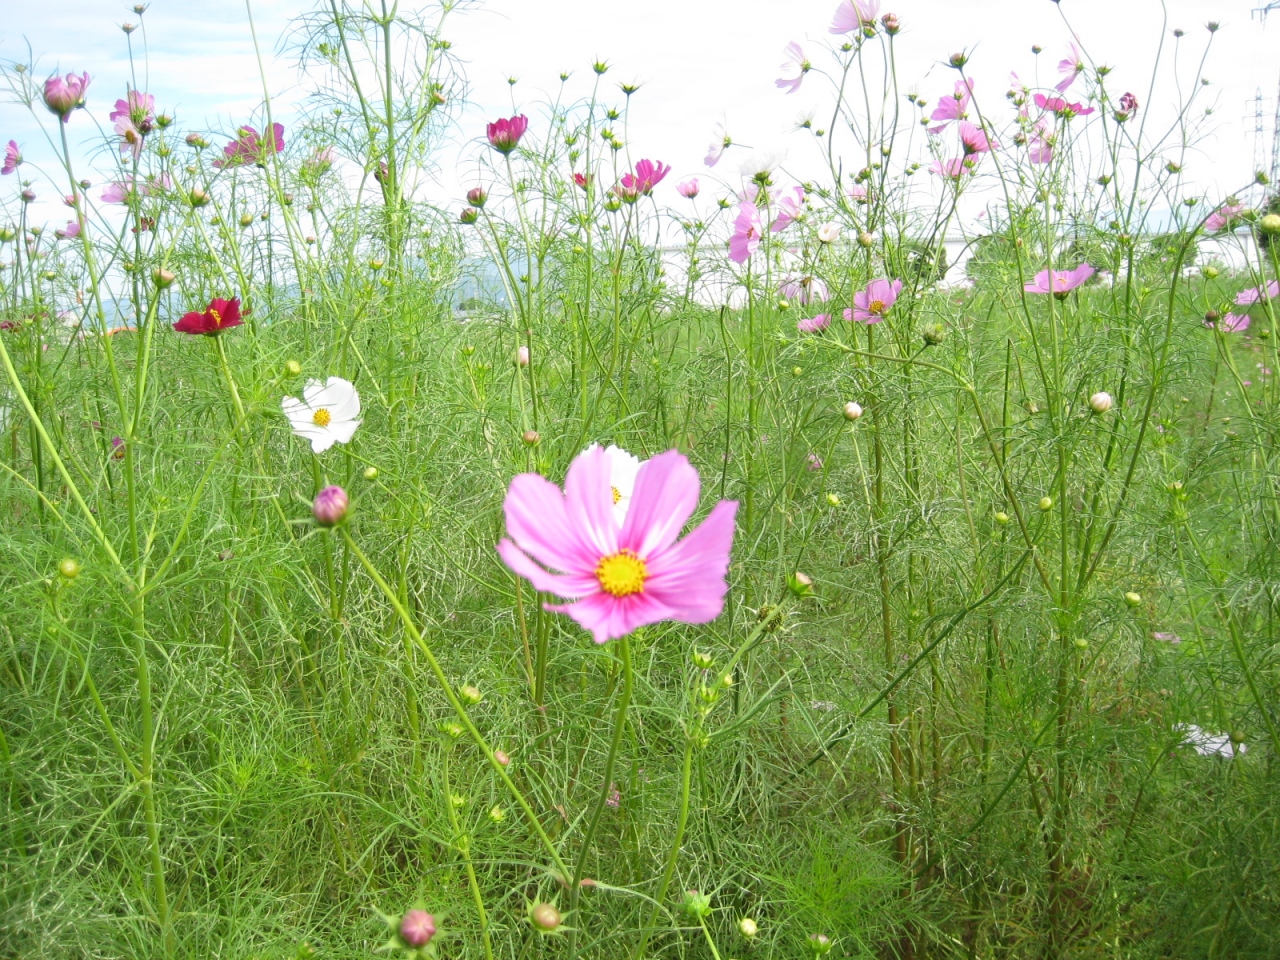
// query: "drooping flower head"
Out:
[855,15]
[504,134]
[63,95]
[328,413]
[804,290]
[954,107]
[620,578]
[12,157]
[746,233]
[814,324]
[251,148]
[872,304]
[796,65]
[582,180]
[1059,282]
[688,188]
[720,142]
[1128,107]
[975,139]
[790,204]
[218,316]
[1070,67]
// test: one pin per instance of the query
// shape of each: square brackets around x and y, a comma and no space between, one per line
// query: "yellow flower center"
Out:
[321,417]
[622,574]
[875,306]
[217,317]
[617,495]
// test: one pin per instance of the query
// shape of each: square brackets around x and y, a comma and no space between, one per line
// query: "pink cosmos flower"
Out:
[954,107]
[12,157]
[505,134]
[795,63]
[122,191]
[872,304]
[975,139]
[1040,149]
[688,188]
[135,118]
[858,193]
[71,230]
[620,578]
[647,176]
[1247,298]
[746,233]
[790,204]
[1059,106]
[64,95]
[720,142]
[814,324]
[852,15]
[1070,68]
[250,148]
[1063,281]
[582,180]
[952,169]
[804,290]
[1234,323]
[1224,216]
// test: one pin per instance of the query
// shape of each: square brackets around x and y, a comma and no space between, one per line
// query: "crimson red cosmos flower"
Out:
[505,134]
[218,316]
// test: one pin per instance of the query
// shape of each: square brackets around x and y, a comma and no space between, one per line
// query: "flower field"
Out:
[619,560]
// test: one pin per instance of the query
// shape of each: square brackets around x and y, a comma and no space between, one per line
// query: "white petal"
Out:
[322,442]
[343,430]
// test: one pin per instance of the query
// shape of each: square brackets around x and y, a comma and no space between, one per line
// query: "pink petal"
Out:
[571,587]
[664,498]
[608,617]
[538,522]
[689,577]
[588,500]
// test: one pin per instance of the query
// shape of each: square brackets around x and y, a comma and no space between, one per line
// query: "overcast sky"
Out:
[698,62]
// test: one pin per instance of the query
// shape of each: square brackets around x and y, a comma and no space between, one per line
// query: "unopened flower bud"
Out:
[417,927]
[476,196]
[469,215]
[28,195]
[800,585]
[530,438]
[497,814]
[1045,503]
[522,357]
[371,473]
[163,278]
[748,927]
[246,219]
[544,916]
[502,758]
[865,240]
[852,411]
[934,334]
[199,198]
[330,506]
[703,661]
[69,568]
[1081,643]
[469,693]
[1209,271]
[1100,402]
[697,905]
[1270,224]
[292,368]
[7,234]
[163,120]
[1001,517]
[891,24]
[958,60]
[819,944]
[1132,599]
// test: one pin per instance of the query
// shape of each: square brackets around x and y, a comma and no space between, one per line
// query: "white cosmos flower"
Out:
[1209,744]
[829,232]
[328,413]
[623,468]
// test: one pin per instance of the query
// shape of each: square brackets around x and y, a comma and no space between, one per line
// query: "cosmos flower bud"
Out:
[28,195]
[531,438]
[330,506]
[818,944]
[128,28]
[476,196]
[199,198]
[1046,503]
[163,278]
[748,927]
[958,60]
[502,758]
[891,24]
[545,917]
[1270,224]
[469,215]
[697,905]
[852,410]
[293,368]
[1209,271]
[1001,517]
[1100,402]
[69,568]
[1132,599]
[417,927]
[934,334]
[469,693]
[865,240]
[800,585]
[371,473]
[522,357]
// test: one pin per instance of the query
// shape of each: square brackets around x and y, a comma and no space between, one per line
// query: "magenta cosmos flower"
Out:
[954,107]
[1061,107]
[649,174]
[746,233]
[62,95]
[796,66]
[505,134]
[1059,282]
[854,15]
[814,324]
[975,139]
[12,157]
[620,577]
[1224,216]
[1070,68]
[134,117]
[872,304]
[1247,298]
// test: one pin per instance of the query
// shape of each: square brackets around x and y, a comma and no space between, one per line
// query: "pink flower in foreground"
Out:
[505,134]
[746,233]
[1070,68]
[954,107]
[1040,150]
[648,175]
[804,290]
[790,203]
[975,139]
[70,231]
[1062,282]
[795,63]
[720,142]
[1247,298]
[688,188]
[1232,323]
[251,148]
[1060,106]
[872,304]
[814,324]
[853,15]
[63,95]
[952,169]
[1224,216]
[620,578]
[12,157]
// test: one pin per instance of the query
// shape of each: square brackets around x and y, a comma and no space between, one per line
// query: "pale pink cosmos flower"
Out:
[688,188]
[954,107]
[1070,68]
[1224,216]
[804,290]
[12,157]
[795,63]
[975,139]
[853,15]
[1062,282]
[1247,298]
[872,304]
[858,193]
[746,233]
[720,142]
[814,324]
[1231,323]
[251,148]
[63,95]
[134,117]
[620,578]
[1061,107]
[1040,149]
[122,191]
[71,230]
[952,169]
[790,204]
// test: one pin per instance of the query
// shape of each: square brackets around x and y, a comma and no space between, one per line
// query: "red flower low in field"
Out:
[218,316]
